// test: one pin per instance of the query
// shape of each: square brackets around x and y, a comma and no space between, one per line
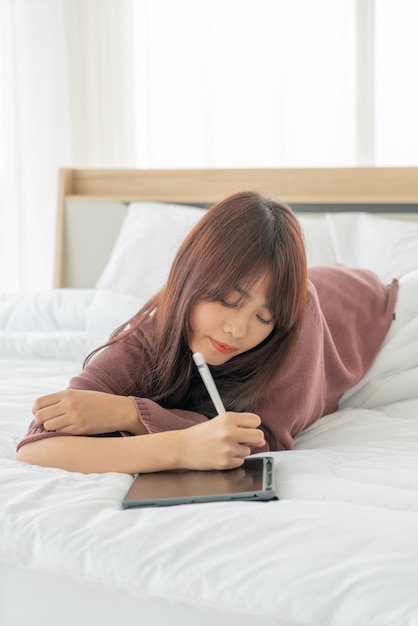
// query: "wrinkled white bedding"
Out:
[339,548]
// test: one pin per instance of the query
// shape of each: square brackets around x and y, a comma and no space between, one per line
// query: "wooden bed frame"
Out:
[93,203]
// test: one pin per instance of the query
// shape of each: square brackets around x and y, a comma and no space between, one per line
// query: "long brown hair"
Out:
[236,241]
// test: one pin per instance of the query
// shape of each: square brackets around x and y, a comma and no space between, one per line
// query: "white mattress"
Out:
[339,548]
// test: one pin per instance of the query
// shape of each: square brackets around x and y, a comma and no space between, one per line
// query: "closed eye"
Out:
[231,305]
[234,304]
[264,321]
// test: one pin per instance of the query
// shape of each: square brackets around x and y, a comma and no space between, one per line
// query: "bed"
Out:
[339,547]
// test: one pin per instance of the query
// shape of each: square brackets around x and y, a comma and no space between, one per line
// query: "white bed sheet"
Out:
[339,548]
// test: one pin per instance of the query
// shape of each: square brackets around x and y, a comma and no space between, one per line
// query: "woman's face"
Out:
[242,320]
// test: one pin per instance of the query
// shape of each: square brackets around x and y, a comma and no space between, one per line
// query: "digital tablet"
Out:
[252,481]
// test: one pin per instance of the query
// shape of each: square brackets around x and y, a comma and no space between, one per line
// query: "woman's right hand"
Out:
[220,443]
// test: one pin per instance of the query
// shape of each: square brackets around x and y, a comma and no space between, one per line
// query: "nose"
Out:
[236,325]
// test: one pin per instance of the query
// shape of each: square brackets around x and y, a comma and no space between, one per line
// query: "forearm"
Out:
[148,453]
[220,443]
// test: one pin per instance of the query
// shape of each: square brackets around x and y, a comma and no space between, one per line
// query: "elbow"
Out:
[24,454]
[30,453]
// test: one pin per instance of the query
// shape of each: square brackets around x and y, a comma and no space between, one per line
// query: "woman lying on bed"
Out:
[283,342]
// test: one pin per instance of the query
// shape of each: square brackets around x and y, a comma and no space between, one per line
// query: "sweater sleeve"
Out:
[348,315]
[118,369]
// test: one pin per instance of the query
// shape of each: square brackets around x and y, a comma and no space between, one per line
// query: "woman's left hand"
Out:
[82,412]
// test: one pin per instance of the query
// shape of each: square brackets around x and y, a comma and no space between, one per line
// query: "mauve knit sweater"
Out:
[348,315]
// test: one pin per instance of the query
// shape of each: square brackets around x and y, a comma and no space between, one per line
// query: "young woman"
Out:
[283,344]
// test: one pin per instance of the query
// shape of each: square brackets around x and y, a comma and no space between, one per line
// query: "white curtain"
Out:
[270,83]
[9,194]
[35,137]
[396,97]
[235,83]
[192,83]
[65,69]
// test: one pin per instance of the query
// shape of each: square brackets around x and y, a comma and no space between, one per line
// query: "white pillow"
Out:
[44,311]
[387,246]
[318,242]
[108,310]
[145,247]
[151,233]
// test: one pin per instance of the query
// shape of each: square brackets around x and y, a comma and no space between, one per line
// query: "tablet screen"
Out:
[253,480]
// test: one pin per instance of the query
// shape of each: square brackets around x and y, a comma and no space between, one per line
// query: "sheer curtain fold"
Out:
[100,47]
[10,261]
[65,101]
[240,83]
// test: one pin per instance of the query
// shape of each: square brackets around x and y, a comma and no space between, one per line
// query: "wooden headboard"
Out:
[93,203]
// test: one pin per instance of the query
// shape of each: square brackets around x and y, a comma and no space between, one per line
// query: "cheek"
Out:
[206,314]
[199,319]
[261,334]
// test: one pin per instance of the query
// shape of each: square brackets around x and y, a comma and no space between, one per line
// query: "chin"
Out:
[219,359]
[216,362]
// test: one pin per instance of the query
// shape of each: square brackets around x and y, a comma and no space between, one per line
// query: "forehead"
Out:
[247,286]
[257,286]
[259,283]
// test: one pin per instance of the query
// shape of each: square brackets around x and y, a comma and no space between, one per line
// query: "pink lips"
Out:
[223,348]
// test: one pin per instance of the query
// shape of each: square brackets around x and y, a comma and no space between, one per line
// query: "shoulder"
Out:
[120,366]
[357,311]
[339,289]
[142,334]
[134,346]
[339,277]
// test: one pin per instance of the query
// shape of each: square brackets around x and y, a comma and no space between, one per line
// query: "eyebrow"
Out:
[247,296]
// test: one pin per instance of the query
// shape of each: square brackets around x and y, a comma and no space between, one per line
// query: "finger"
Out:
[48,400]
[243,451]
[234,460]
[254,420]
[51,425]
[246,420]
[50,412]
[57,422]
[250,436]
[237,462]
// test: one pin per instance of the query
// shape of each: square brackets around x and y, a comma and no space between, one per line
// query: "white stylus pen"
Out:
[204,371]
